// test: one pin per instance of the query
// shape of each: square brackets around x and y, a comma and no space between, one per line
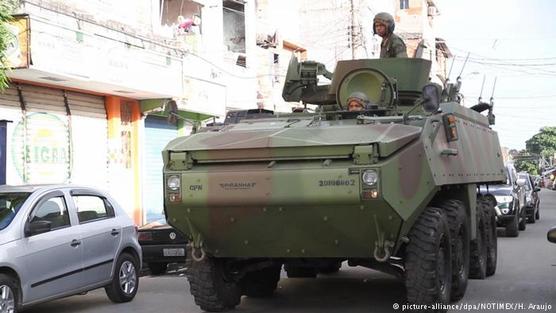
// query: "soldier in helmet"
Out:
[357,101]
[392,46]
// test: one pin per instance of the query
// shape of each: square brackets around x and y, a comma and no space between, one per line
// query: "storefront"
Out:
[3,126]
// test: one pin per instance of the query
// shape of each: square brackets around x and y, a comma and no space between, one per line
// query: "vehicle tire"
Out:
[428,264]
[479,247]
[9,294]
[211,289]
[492,237]
[531,218]
[331,269]
[538,213]
[512,228]
[300,271]
[158,268]
[261,283]
[523,220]
[125,280]
[459,233]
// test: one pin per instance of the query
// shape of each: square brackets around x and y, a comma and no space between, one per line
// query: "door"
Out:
[51,261]
[158,132]
[100,233]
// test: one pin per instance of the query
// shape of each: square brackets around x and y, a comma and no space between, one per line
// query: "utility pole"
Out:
[352,30]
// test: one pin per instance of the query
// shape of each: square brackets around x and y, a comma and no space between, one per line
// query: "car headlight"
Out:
[370,177]
[528,199]
[505,211]
[173,182]
[504,199]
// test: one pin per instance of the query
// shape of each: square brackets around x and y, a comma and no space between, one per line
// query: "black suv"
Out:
[532,200]
[510,198]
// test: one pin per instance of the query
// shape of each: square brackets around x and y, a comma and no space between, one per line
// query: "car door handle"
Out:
[75,243]
[114,232]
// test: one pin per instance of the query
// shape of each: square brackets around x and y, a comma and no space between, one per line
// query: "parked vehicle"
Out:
[510,198]
[532,201]
[161,245]
[60,240]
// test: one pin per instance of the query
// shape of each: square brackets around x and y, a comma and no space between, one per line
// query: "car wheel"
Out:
[124,280]
[523,221]
[158,268]
[538,214]
[8,294]
[512,227]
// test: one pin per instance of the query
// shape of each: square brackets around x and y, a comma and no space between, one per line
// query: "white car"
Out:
[62,240]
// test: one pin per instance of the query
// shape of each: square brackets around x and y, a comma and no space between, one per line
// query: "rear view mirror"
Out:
[552,235]
[537,189]
[431,98]
[37,227]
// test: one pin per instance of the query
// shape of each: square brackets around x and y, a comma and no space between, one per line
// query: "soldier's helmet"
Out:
[386,19]
[358,97]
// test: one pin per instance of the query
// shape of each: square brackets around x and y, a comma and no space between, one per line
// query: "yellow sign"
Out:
[17,52]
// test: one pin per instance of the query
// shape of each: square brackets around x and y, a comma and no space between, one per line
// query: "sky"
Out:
[514,43]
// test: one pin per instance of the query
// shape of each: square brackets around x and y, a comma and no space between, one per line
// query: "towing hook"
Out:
[386,246]
[195,254]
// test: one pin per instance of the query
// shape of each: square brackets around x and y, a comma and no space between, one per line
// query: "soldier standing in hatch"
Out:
[392,46]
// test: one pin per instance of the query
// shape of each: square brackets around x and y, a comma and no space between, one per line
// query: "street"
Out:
[525,276]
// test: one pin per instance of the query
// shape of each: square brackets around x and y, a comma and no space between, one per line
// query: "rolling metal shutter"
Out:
[158,132]
[79,138]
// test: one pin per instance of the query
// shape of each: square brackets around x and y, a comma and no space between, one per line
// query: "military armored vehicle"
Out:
[394,187]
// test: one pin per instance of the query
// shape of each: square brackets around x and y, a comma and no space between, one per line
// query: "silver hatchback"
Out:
[61,240]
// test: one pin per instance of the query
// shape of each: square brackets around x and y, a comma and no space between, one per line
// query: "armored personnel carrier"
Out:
[394,187]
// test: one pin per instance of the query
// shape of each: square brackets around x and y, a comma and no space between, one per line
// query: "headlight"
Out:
[505,211]
[369,177]
[527,199]
[173,182]
[504,199]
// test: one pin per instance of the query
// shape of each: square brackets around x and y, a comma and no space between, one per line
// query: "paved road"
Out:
[526,275]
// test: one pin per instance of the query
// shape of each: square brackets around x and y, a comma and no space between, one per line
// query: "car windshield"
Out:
[9,206]
[527,182]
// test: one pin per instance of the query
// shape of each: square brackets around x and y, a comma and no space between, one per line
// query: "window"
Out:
[9,206]
[91,208]
[53,210]
[404,4]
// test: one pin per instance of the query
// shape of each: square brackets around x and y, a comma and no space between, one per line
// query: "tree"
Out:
[524,161]
[6,9]
[543,143]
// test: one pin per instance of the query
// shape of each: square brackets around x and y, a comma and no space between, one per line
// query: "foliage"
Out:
[543,143]
[526,165]
[6,8]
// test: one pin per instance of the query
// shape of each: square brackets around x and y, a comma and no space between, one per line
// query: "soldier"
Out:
[392,46]
[357,101]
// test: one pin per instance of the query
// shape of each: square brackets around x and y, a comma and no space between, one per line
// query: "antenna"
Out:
[464,64]
[493,88]
[482,87]
[451,67]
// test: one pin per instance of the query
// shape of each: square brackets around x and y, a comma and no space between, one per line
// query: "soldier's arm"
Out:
[398,48]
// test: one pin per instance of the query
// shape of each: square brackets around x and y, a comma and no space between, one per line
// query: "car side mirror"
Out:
[520,182]
[37,227]
[537,189]
[552,235]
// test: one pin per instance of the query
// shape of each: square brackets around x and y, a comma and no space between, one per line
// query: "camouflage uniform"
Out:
[392,46]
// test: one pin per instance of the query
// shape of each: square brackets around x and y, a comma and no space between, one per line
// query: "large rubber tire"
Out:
[512,228]
[125,280]
[479,247]
[261,283]
[212,291]
[523,220]
[492,237]
[428,264]
[538,214]
[459,233]
[300,272]
[158,268]
[9,294]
